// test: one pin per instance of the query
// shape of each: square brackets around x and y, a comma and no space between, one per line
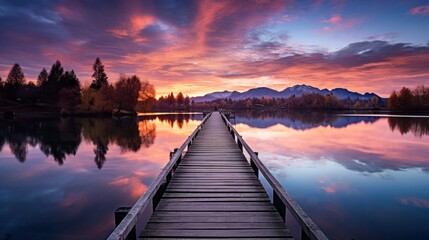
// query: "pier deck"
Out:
[215,193]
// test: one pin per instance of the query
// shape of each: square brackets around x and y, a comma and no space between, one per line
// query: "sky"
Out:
[202,46]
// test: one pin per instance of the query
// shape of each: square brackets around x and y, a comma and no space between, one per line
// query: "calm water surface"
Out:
[63,179]
[357,176]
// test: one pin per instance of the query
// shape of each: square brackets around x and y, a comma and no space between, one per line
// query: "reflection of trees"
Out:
[147,131]
[57,138]
[2,142]
[418,126]
[60,138]
[19,149]
[299,120]
[127,133]
[100,154]
[171,119]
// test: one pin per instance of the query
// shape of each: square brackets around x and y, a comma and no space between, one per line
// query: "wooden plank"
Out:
[218,199]
[207,195]
[214,214]
[216,233]
[221,219]
[214,193]
[216,190]
[215,225]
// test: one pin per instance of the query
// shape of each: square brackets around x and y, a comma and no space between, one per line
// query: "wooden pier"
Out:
[213,191]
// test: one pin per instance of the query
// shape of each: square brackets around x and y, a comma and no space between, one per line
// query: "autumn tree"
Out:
[393,100]
[14,81]
[100,77]
[146,98]
[405,98]
[126,93]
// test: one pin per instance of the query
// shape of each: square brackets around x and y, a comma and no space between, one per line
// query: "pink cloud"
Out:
[420,10]
[329,189]
[334,19]
[336,22]
[416,202]
[286,18]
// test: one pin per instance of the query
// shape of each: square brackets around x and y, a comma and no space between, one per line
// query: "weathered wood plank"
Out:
[216,219]
[216,233]
[214,193]
[215,225]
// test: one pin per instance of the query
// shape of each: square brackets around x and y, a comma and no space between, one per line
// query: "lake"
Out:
[356,176]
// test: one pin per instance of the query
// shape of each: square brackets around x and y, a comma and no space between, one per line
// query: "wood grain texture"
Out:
[214,193]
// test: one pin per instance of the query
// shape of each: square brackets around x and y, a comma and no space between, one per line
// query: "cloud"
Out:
[336,22]
[420,10]
[384,36]
[334,19]
[416,202]
[204,45]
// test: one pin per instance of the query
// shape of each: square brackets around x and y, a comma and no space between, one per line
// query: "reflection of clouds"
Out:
[359,147]
[416,202]
[78,197]
[130,184]
[329,189]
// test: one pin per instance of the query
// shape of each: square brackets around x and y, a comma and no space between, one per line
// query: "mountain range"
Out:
[297,90]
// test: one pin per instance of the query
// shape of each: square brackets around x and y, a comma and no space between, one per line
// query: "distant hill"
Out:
[297,90]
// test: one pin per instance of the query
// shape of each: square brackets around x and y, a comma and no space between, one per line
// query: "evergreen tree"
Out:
[188,101]
[100,77]
[170,99]
[69,80]
[51,94]
[1,90]
[42,79]
[180,98]
[16,77]
[55,74]
[14,82]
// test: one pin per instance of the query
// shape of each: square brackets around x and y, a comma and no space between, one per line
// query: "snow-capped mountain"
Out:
[297,90]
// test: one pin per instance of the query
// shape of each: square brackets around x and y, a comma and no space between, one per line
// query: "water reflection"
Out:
[41,199]
[299,120]
[61,138]
[349,173]
[418,126]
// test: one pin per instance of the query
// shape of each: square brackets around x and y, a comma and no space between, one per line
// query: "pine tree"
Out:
[55,74]
[14,82]
[187,100]
[100,77]
[42,79]
[53,83]
[69,80]
[16,77]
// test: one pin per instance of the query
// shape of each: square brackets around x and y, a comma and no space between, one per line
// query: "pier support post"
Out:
[253,165]
[120,214]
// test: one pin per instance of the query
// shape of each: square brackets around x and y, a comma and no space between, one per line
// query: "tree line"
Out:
[410,99]
[63,90]
[306,101]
